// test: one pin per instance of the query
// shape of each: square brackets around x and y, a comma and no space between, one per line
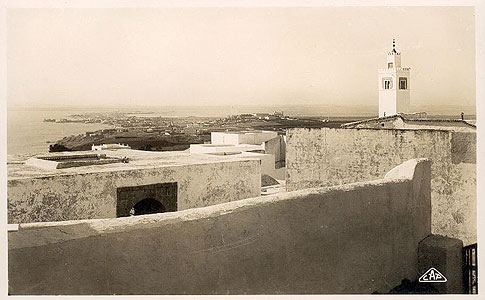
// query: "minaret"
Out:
[394,93]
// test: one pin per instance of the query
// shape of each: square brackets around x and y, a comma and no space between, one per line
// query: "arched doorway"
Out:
[147,206]
[144,199]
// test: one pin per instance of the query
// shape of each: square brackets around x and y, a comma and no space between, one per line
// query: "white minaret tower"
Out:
[394,93]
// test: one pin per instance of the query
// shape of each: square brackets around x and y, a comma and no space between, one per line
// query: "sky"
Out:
[235,56]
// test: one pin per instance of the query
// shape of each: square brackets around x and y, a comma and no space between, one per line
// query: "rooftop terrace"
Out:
[16,167]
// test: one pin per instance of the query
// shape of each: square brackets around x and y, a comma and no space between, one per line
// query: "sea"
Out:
[27,134]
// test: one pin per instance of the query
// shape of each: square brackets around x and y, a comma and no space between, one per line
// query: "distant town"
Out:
[141,131]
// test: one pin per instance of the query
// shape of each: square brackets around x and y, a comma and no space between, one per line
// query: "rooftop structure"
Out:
[405,121]
[267,145]
[139,182]
[252,137]
[137,160]
[242,151]
[52,162]
[225,148]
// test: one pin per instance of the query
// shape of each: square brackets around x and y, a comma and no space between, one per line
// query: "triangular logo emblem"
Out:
[432,275]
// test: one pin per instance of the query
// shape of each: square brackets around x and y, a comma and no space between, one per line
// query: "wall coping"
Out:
[406,170]
[121,168]
[373,129]
[405,119]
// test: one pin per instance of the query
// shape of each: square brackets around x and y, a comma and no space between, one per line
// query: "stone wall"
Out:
[326,157]
[94,195]
[356,238]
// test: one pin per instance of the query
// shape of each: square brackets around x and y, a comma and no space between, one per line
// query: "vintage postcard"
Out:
[239,148]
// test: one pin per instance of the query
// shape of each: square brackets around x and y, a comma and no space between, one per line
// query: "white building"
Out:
[267,146]
[394,92]
[253,137]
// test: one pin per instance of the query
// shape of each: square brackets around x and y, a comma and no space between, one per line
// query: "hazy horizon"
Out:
[154,57]
[224,110]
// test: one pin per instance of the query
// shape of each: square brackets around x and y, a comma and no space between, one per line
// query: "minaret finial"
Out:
[394,45]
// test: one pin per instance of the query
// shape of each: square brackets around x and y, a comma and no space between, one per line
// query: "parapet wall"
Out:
[93,195]
[327,157]
[355,238]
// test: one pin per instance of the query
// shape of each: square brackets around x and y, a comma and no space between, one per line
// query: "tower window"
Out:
[390,65]
[387,83]
[403,83]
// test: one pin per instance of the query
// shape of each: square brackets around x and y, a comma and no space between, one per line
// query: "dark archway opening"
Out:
[147,206]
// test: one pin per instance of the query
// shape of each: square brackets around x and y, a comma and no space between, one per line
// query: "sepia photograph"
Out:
[229,149]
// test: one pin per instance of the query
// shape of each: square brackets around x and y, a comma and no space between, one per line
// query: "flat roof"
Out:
[445,124]
[16,168]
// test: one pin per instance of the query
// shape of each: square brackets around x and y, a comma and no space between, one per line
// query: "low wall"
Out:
[93,195]
[356,238]
[327,157]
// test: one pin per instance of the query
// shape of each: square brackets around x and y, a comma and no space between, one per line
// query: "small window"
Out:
[387,83]
[403,83]
[390,65]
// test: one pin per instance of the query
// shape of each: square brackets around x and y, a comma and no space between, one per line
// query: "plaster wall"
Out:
[464,147]
[395,58]
[266,160]
[452,126]
[93,195]
[387,103]
[257,138]
[356,238]
[221,148]
[277,147]
[326,157]
[242,151]
[224,138]
[398,123]
[403,104]
[236,138]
